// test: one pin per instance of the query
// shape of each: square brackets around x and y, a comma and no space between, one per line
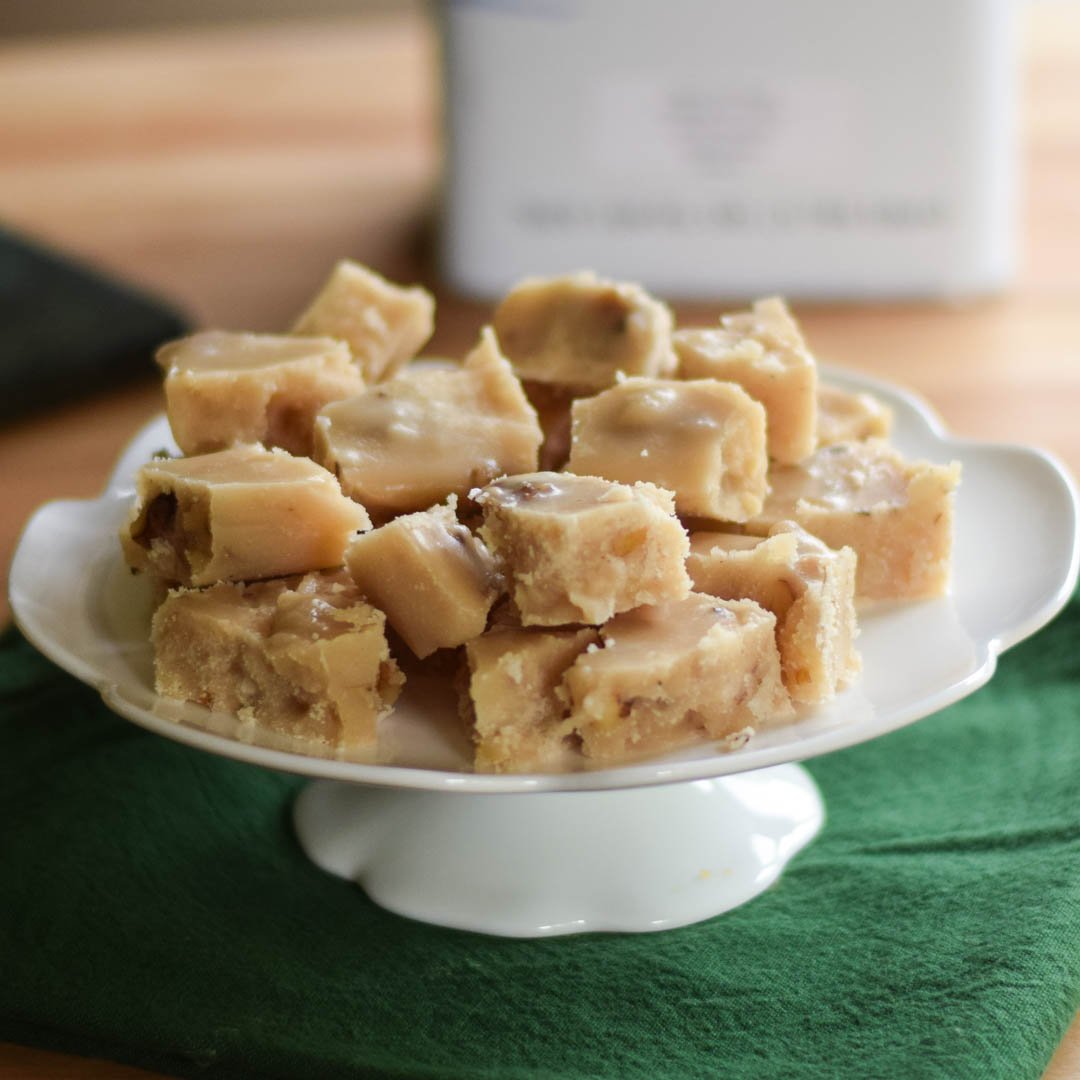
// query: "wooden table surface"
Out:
[228,168]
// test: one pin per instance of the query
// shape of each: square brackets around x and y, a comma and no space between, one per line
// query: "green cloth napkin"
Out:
[155,908]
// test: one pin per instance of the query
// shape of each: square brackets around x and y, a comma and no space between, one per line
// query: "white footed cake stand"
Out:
[640,847]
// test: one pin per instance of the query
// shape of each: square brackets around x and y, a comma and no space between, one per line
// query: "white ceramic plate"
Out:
[1015,566]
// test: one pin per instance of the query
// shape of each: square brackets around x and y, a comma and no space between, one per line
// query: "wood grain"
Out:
[228,168]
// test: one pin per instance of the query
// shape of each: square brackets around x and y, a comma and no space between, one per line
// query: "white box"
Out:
[708,148]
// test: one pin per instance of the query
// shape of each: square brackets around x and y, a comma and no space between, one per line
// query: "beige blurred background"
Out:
[34,17]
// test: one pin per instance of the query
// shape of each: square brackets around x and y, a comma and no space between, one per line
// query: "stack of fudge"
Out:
[610,536]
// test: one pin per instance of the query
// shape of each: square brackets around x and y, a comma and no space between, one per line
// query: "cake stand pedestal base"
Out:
[539,864]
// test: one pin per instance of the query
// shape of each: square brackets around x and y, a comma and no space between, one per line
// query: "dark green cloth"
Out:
[155,908]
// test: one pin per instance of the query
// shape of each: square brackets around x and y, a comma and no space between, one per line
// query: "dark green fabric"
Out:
[155,908]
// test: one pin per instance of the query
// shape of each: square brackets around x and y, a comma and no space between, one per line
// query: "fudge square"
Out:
[844,416]
[513,704]
[703,440]
[763,351]
[385,325]
[223,388]
[674,672]
[896,515]
[579,330]
[578,549]
[808,587]
[435,581]
[304,664]
[407,444]
[237,515]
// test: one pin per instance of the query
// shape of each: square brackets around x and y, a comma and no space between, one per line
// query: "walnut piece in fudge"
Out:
[703,440]
[237,515]
[578,549]
[808,587]
[407,444]
[385,325]
[846,417]
[303,664]
[514,703]
[223,388]
[672,673]
[578,331]
[897,515]
[764,352]
[435,581]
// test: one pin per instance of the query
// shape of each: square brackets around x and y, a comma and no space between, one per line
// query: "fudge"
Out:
[237,515]
[808,587]
[513,700]
[763,351]
[577,331]
[304,664]
[407,444]
[578,549]
[843,416]
[223,388]
[674,672]
[435,581]
[703,440]
[896,515]
[385,325]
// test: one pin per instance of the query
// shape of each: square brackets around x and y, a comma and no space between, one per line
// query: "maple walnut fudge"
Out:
[808,587]
[237,515]
[897,515]
[222,389]
[578,331]
[703,440]
[514,704]
[385,325]
[764,352]
[675,672]
[435,581]
[578,549]
[844,416]
[303,664]
[407,444]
